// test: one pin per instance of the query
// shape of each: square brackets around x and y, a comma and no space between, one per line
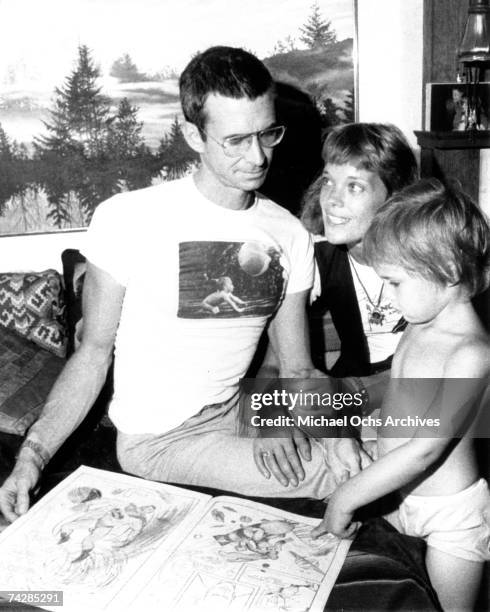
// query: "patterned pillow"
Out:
[31,304]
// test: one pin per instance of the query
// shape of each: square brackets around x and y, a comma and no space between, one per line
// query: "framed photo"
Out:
[457,107]
[92,108]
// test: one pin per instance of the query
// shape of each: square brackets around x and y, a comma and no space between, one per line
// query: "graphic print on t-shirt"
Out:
[229,279]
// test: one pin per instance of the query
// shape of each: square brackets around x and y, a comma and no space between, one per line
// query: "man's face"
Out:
[234,117]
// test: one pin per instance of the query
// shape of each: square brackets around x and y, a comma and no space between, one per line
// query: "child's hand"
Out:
[337,519]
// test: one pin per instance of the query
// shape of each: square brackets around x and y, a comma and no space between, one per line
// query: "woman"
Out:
[365,163]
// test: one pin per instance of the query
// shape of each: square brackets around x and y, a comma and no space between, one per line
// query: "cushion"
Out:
[27,373]
[31,304]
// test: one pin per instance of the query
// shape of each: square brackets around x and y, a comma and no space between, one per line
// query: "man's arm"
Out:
[288,333]
[289,340]
[74,392]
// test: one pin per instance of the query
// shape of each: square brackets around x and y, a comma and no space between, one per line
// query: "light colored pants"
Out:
[206,451]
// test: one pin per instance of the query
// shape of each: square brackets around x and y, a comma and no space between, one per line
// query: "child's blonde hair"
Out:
[435,231]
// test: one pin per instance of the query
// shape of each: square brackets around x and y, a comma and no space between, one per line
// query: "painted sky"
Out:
[40,37]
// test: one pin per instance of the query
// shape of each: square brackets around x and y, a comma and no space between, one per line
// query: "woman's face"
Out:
[349,198]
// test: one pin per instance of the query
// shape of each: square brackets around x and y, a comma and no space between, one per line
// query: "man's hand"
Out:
[282,457]
[14,493]
[337,519]
[345,457]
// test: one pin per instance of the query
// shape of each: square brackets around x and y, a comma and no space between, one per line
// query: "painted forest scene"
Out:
[115,125]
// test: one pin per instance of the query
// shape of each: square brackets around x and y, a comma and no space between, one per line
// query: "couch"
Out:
[39,313]
[40,324]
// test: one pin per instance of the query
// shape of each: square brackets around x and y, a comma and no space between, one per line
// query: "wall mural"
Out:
[92,108]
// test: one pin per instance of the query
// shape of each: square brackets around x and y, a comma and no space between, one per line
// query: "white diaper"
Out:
[458,524]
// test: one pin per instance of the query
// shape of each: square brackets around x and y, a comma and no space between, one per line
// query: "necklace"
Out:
[376,315]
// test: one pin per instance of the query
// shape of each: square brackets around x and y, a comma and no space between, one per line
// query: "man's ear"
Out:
[193,137]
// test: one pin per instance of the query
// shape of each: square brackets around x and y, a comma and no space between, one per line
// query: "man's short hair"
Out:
[228,71]
[434,231]
[377,147]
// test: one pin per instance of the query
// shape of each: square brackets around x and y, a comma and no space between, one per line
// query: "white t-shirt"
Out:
[378,314]
[201,281]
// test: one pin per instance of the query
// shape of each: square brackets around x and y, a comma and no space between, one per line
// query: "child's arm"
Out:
[237,300]
[232,301]
[394,470]
[470,367]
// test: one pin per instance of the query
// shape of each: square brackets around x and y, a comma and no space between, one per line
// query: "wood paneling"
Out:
[453,156]
[457,165]
[444,21]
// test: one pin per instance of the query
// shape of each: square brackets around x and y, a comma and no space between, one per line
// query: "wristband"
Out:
[38,449]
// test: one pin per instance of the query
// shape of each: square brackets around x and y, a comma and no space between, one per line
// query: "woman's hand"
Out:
[371,448]
[345,457]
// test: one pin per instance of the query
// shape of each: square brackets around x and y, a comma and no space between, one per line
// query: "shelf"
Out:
[454,140]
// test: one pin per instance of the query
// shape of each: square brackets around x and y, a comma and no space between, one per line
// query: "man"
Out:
[155,258]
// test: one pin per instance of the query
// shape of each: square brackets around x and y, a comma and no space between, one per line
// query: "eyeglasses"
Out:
[236,146]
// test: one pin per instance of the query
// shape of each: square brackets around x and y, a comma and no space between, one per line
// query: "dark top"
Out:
[338,295]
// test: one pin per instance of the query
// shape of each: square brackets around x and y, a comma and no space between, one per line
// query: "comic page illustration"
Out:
[115,542]
[243,556]
[90,535]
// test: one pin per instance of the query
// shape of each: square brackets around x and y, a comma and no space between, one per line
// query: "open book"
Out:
[113,542]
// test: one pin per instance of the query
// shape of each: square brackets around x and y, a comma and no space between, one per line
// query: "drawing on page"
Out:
[244,560]
[95,541]
[93,535]
[112,542]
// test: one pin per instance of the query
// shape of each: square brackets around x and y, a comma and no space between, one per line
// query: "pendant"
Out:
[376,317]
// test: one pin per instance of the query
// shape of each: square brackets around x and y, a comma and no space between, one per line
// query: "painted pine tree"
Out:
[176,157]
[132,159]
[317,32]
[90,152]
